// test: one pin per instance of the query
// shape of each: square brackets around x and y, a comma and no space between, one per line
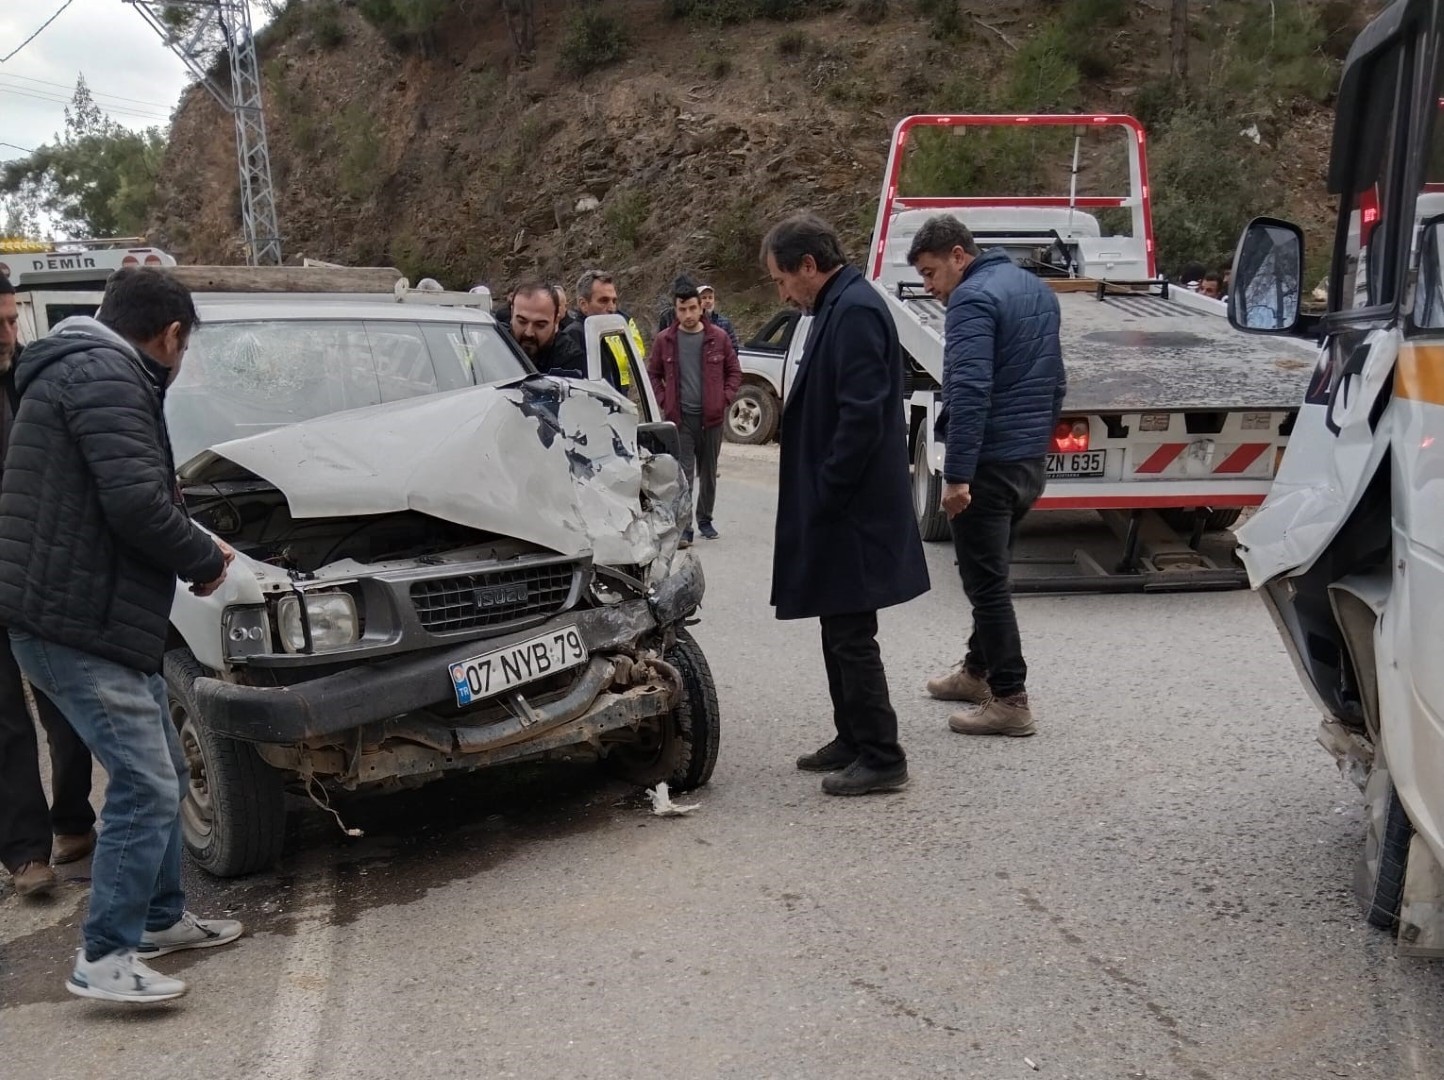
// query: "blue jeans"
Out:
[123,717]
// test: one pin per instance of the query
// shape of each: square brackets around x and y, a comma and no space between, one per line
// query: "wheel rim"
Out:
[652,752]
[745,417]
[197,809]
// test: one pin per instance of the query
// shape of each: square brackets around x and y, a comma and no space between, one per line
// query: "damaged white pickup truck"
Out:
[445,562]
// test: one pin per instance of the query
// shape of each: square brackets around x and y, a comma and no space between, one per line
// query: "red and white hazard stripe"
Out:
[1235,463]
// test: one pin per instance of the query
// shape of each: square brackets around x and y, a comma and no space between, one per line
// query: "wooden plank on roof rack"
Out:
[1114,288]
[287,279]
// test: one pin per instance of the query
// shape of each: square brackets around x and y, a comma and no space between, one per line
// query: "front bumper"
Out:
[382,690]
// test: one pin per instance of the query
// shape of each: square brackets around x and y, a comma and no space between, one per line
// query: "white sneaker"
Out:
[189,932]
[120,976]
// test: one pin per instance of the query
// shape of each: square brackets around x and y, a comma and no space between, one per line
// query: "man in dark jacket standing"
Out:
[93,535]
[695,373]
[1003,386]
[27,822]
[847,542]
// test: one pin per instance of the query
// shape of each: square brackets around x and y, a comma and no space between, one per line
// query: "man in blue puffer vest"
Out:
[1003,386]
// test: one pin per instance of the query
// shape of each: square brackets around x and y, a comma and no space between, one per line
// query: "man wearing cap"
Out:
[715,317]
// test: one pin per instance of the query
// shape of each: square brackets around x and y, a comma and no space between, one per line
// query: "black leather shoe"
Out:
[860,779]
[833,756]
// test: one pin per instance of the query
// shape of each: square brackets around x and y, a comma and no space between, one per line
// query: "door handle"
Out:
[1353,366]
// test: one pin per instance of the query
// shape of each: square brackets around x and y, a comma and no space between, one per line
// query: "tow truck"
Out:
[1348,549]
[75,261]
[1173,422]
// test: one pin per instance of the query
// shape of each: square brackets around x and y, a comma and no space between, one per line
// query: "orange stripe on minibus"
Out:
[1419,375]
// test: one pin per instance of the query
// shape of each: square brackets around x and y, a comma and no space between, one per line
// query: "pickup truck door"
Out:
[1342,435]
[795,348]
[612,358]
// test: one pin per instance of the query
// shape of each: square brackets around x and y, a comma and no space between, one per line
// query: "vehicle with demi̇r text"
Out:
[445,561]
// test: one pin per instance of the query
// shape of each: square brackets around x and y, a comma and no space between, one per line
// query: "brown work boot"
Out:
[70,849]
[35,878]
[960,684]
[996,716]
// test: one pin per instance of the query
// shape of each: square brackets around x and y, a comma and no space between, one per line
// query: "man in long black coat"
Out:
[847,542]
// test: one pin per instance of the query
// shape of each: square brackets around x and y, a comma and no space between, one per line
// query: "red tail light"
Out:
[1070,436]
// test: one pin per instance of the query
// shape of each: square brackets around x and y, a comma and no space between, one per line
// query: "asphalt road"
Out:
[1157,885]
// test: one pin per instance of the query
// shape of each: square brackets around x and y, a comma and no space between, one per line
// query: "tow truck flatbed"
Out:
[1147,353]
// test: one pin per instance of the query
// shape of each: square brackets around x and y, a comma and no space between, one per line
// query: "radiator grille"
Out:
[492,599]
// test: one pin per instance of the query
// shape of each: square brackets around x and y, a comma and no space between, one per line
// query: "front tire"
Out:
[1379,876]
[680,748]
[752,418]
[233,816]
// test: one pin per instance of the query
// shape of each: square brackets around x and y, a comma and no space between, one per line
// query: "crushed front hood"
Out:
[549,462]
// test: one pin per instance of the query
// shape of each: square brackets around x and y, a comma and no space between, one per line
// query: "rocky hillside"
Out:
[446,153]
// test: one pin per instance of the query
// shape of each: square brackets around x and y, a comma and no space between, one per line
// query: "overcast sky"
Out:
[132,73]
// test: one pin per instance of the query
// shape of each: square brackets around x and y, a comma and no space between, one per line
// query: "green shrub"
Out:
[1277,51]
[737,233]
[1156,101]
[359,169]
[735,12]
[870,12]
[1089,16]
[593,40]
[1207,181]
[945,19]
[719,65]
[1042,74]
[406,24]
[625,214]
[793,43]
[322,20]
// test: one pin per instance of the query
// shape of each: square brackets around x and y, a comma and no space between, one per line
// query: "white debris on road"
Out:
[663,806]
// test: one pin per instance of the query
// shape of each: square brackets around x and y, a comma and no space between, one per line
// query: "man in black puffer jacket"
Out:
[93,534]
[1003,387]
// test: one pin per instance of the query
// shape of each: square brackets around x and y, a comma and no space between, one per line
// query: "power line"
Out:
[37,33]
[93,91]
[40,94]
[133,113]
[14,147]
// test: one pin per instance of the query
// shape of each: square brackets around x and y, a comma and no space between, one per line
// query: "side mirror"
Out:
[1265,293]
[660,438]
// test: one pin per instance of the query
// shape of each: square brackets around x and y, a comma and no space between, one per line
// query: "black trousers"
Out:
[26,821]
[983,536]
[701,447]
[860,706]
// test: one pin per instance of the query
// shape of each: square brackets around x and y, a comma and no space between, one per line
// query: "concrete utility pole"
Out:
[199,31]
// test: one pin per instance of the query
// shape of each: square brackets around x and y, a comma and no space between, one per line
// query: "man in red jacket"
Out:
[695,373]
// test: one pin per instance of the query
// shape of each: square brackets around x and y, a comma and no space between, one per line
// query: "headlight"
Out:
[247,632]
[331,617]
